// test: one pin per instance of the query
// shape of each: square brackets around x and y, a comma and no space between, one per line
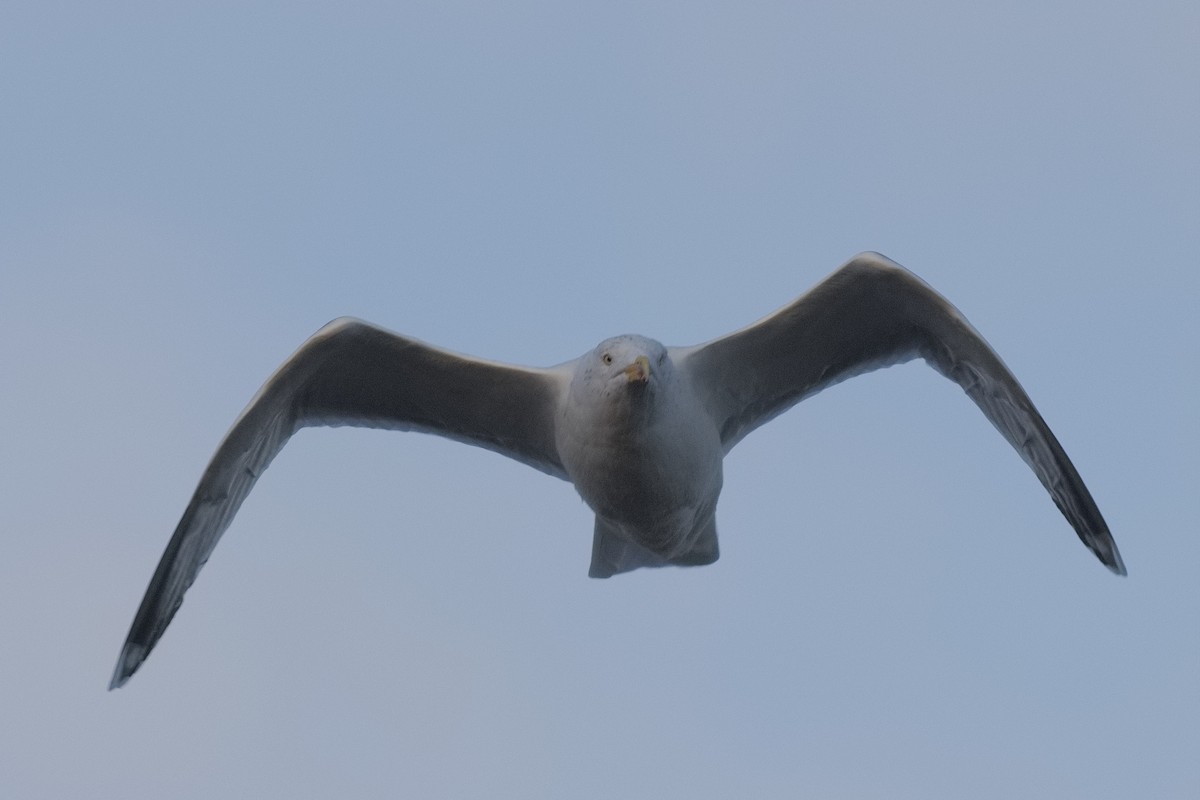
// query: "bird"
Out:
[640,429]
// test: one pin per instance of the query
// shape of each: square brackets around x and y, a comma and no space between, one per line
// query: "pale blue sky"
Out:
[899,610]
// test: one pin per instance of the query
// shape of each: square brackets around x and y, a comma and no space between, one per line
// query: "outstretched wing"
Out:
[873,313]
[349,373]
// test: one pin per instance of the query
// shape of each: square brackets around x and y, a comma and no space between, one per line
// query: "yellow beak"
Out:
[639,370]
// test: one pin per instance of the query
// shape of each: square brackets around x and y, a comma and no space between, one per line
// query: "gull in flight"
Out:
[640,429]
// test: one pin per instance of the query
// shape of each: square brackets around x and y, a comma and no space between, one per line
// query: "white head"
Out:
[622,374]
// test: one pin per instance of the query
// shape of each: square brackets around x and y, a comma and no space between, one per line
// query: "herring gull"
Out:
[640,429]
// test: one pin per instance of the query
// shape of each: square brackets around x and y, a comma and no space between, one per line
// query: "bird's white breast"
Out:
[655,475]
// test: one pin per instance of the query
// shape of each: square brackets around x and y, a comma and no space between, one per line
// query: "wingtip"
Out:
[1106,550]
[128,662]
[1117,564]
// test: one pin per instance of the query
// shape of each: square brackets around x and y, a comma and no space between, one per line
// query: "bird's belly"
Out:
[657,499]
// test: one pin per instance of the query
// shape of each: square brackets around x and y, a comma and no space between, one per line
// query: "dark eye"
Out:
[607,357]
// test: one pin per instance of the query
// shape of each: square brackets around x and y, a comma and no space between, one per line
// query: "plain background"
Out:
[186,193]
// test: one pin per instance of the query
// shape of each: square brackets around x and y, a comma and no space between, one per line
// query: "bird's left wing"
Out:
[873,313]
[349,373]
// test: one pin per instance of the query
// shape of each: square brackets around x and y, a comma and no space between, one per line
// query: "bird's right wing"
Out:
[349,373]
[873,313]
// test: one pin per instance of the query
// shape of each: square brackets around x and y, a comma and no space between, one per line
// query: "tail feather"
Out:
[614,553]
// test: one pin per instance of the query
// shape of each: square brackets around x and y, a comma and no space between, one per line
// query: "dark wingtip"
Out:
[1114,562]
[132,656]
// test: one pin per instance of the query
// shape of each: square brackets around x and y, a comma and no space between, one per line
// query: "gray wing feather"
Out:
[869,314]
[348,373]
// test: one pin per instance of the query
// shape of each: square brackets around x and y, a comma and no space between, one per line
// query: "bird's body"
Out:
[642,453]
[640,429]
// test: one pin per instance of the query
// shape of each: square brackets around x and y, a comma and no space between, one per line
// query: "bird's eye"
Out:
[607,358]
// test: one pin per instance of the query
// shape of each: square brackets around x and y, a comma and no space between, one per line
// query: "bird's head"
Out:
[623,372]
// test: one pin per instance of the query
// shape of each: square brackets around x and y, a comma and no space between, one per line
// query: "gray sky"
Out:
[899,610]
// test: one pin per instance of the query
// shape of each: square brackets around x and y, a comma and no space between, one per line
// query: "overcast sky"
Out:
[899,610]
